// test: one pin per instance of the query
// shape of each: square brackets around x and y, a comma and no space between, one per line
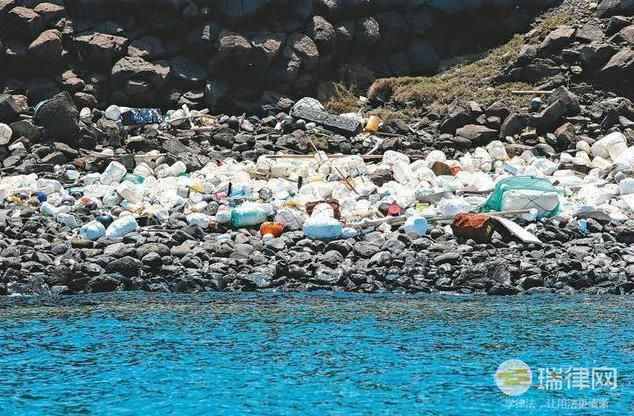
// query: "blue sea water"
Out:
[310,354]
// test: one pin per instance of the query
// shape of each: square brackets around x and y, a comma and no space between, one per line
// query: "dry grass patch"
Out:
[471,80]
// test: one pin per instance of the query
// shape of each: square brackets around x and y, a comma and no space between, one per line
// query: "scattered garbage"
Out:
[327,196]
[133,116]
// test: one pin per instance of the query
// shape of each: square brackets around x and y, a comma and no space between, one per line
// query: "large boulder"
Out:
[609,8]
[267,44]
[100,48]
[47,47]
[50,12]
[127,266]
[479,135]
[620,67]
[186,73]
[557,40]
[10,108]
[306,49]
[237,59]
[561,103]
[367,35]
[24,22]
[324,34]
[6,6]
[241,9]
[60,118]
[131,67]
[395,30]
[147,47]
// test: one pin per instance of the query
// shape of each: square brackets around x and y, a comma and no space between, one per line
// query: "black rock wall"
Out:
[231,53]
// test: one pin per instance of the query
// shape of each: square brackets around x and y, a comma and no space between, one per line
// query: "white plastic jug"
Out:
[528,199]
[49,186]
[612,146]
[626,158]
[131,192]
[111,199]
[5,133]
[626,186]
[113,173]
[497,150]
[323,227]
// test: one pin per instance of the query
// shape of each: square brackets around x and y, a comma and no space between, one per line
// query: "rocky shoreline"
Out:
[36,261]
[587,248]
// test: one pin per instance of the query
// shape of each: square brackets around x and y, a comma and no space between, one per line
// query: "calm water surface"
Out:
[308,354]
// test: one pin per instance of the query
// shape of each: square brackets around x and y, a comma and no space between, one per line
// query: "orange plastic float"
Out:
[273,228]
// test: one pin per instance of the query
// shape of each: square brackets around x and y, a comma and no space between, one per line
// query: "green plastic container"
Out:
[519,183]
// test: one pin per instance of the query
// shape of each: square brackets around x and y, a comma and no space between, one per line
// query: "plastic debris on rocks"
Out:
[326,196]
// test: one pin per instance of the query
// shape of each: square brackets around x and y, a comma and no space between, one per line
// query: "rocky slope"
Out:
[214,53]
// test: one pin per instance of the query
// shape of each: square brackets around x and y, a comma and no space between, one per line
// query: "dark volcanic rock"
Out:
[60,118]
[102,284]
[127,266]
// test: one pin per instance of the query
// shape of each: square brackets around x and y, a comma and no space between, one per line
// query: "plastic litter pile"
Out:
[332,196]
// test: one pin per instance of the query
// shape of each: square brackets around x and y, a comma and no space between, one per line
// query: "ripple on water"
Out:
[302,354]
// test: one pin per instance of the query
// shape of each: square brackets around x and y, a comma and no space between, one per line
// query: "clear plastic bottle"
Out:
[290,218]
[121,227]
[68,220]
[223,215]
[142,169]
[198,219]
[113,113]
